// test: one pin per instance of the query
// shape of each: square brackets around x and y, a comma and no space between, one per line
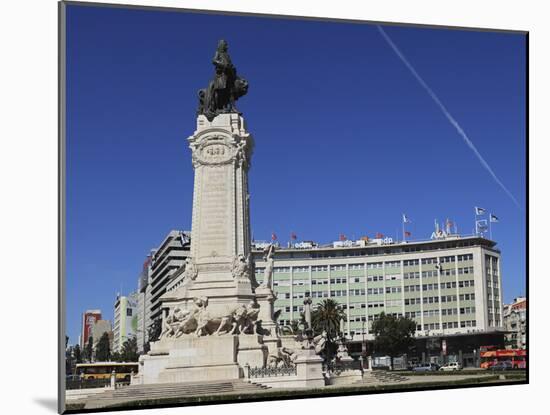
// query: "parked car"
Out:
[452,366]
[502,366]
[425,367]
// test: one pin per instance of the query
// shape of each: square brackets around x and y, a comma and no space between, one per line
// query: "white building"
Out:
[125,320]
[515,323]
[160,269]
[448,285]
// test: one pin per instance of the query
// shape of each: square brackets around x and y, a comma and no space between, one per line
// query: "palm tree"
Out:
[326,317]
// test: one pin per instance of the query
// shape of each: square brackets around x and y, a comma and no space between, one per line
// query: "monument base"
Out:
[196,359]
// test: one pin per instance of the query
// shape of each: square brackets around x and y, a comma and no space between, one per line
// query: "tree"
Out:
[103,348]
[89,349]
[129,352]
[116,357]
[327,316]
[393,336]
[69,360]
[77,354]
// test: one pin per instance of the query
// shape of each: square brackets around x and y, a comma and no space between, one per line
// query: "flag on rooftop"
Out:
[407,233]
[293,236]
[493,218]
[406,219]
[480,211]
[273,236]
[482,226]
[379,235]
[343,237]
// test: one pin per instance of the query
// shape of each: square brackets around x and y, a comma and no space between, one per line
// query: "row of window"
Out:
[432,273]
[373,265]
[433,286]
[412,275]
[319,294]
[393,303]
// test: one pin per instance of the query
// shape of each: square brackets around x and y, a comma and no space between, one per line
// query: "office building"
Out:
[99,328]
[515,323]
[449,285]
[163,266]
[125,320]
[89,317]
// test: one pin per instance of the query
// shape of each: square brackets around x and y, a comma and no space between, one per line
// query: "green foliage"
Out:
[89,349]
[103,349]
[116,357]
[393,336]
[77,354]
[129,352]
[326,317]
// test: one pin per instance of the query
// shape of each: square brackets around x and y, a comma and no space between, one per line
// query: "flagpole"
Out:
[490,228]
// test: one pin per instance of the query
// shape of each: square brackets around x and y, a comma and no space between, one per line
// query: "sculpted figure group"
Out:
[200,321]
[241,267]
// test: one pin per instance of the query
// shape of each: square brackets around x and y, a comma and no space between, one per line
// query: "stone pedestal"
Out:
[369,363]
[266,297]
[348,372]
[252,351]
[205,358]
[309,369]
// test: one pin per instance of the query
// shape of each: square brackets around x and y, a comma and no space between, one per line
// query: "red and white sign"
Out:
[89,318]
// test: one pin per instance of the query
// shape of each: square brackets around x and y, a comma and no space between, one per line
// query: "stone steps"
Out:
[169,390]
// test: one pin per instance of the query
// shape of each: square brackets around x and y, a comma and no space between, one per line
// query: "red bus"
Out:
[491,356]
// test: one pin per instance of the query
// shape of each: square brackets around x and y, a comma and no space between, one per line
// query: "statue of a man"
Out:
[224,89]
[269,252]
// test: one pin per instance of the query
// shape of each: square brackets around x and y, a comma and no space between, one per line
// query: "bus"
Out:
[492,356]
[103,370]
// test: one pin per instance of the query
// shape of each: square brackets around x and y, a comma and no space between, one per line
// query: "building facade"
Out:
[89,317]
[141,309]
[515,323]
[162,267]
[451,285]
[99,328]
[125,320]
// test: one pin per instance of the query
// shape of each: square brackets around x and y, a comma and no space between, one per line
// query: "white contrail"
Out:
[447,114]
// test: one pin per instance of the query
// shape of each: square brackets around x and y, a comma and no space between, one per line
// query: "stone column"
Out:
[220,233]
[307,311]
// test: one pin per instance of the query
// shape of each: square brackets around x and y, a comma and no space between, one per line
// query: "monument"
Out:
[218,319]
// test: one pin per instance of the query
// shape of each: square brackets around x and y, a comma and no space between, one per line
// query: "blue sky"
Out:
[346,138]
